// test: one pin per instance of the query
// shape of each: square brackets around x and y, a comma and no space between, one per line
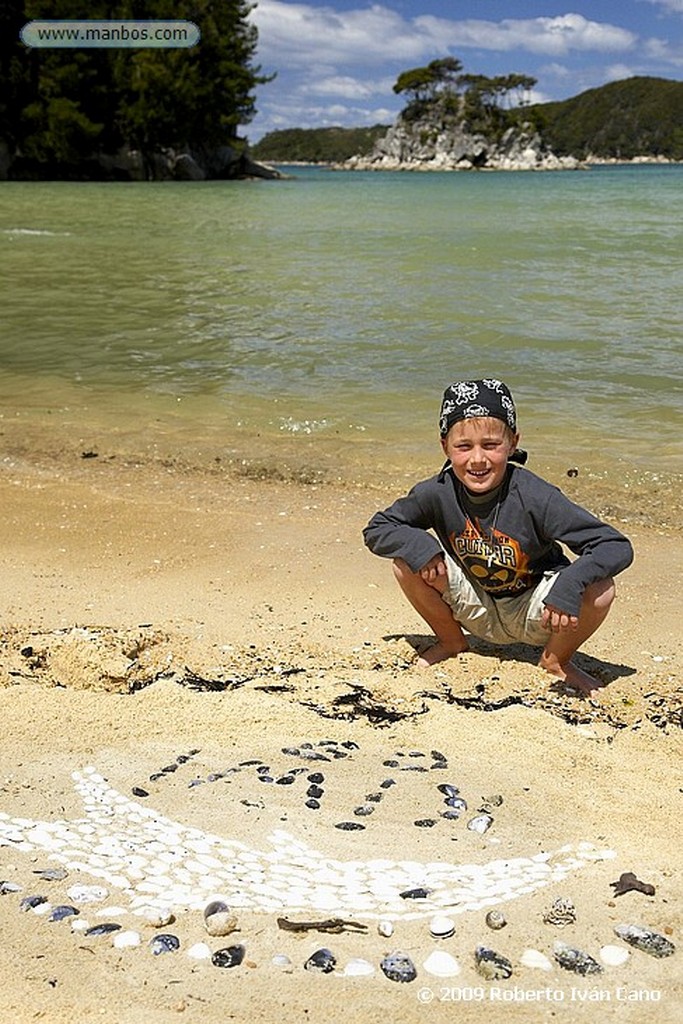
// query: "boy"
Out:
[497,568]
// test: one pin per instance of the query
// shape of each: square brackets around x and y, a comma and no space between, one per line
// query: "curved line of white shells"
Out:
[161,863]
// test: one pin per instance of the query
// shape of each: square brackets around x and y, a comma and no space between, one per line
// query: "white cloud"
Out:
[294,34]
[344,86]
[291,33]
[554,36]
[675,6]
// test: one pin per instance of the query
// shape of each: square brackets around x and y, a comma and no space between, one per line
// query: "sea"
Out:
[316,320]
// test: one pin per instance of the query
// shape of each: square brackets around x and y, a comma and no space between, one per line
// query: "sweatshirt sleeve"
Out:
[601,550]
[400,531]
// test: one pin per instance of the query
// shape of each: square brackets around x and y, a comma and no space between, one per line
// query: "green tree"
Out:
[59,107]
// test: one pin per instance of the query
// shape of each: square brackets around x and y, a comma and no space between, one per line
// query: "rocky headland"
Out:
[423,146]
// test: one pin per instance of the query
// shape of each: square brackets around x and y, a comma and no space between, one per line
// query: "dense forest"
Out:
[634,117]
[62,110]
[631,118]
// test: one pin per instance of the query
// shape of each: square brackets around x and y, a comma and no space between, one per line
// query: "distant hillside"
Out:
[626,119]
[633,117]
[316,145]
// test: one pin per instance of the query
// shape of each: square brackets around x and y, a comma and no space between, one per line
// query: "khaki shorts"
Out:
[501,620]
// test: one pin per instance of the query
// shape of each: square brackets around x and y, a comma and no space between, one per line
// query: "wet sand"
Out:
[160,601]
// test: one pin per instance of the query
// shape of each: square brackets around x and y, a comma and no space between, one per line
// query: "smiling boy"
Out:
[495,567]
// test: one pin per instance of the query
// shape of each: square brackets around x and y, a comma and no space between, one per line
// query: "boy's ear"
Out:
[515,443]
[444,444]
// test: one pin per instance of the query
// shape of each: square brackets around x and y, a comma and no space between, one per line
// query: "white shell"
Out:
[158,917]
[87,893]
[200,951]
[441,964]
[534,958]
[282,961]
[441,927]
[358,968]
[614,956]
[386,928]
[124,939]
[222,921]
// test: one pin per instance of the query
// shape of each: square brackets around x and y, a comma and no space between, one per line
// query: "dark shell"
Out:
[285,780]
[416,894]
[398,966]
[313,804]
[231,956]
[451,814]
[364,810]
[164,943]
[62,911]
[437,755]
[266,778]
[456,803]
[139,791]
[387,784]
[8,887]
[106,928]
[425,822]
[349,826]
[316,777]
[491,965]
[374,798]
[29,902]
[315,791]
[169,769]
[390,764]
[645,940]
[52,874]
[322,960]
[575,960]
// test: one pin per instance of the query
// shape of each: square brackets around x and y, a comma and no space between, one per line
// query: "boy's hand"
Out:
[557,620]
[434,572]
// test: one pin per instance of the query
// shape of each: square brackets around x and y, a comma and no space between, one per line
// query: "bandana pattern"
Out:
[469,398]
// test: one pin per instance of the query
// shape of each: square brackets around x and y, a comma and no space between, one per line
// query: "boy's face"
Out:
[479,449]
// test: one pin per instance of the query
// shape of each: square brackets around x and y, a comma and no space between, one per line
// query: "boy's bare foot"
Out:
[440,652]
[571,675]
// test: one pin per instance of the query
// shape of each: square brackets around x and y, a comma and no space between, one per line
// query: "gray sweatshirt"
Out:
[506,544]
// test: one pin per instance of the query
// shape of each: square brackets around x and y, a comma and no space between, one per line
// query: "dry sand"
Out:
[153,608]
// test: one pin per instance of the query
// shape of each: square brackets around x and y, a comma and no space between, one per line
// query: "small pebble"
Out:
[164,943]
[126,940]
[231,956]
[441,927]
[199,951]
[386,928]
[614,956]
[496,920]
[398,966]
[322,960]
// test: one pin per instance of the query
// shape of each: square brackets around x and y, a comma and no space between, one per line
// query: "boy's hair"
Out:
[467,399]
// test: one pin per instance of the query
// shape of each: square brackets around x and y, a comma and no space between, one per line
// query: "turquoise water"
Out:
[336,306]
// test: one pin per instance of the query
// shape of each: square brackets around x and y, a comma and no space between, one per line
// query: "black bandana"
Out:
[469,398]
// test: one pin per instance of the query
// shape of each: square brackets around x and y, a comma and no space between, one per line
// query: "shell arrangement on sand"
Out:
[644,939]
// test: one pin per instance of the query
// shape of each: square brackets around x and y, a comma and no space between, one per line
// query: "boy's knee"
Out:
[601,594]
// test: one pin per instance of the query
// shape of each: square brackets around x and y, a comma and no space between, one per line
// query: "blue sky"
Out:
[337,60]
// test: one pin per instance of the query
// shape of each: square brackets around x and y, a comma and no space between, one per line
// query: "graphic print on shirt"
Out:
[494,560]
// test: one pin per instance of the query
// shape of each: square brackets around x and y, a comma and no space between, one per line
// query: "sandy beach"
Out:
[163,612]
